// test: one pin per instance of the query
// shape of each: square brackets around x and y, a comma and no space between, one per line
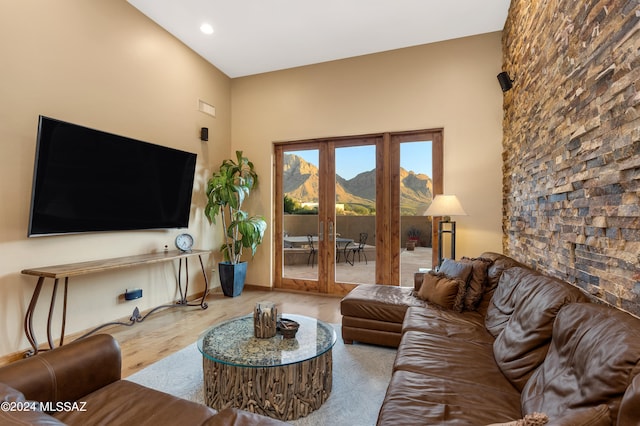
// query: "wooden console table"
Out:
[57,272]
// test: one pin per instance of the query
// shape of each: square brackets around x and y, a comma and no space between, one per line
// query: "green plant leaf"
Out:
[226,191]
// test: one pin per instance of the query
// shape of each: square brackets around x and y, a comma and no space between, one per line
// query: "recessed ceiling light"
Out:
[206,28]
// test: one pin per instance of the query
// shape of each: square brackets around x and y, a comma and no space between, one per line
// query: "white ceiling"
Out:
[256,36]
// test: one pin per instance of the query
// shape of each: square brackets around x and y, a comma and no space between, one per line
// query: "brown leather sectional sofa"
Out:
[533,345]
[80,384]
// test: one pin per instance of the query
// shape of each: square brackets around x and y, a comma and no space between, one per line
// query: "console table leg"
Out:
[51,306]
[204,304]
[186,281]
[183,293]
[64,310]
[183,296]
[28,318]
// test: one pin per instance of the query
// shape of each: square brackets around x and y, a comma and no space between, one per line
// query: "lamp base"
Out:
[442,231]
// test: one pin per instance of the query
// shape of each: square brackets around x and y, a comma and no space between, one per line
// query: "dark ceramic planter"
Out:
[232,278]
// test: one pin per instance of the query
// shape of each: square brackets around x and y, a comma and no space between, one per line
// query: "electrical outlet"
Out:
[133,294]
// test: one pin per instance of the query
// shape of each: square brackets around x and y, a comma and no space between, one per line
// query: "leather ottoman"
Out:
[374,314]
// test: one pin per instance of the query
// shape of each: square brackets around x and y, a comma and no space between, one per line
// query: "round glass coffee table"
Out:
[281,378]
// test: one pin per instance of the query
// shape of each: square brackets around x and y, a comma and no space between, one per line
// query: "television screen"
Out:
[87,180]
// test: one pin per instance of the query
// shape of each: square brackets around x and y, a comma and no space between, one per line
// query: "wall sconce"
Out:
[204,134]
[446,206]
[505,81]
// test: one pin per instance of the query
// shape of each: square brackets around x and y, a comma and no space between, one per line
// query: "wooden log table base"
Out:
[282,392]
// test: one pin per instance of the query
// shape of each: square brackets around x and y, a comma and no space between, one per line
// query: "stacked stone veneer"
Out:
[571,145]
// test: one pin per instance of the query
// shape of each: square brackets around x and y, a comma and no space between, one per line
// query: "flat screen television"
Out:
[87,180]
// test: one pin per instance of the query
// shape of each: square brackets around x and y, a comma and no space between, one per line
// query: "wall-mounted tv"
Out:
[88,180]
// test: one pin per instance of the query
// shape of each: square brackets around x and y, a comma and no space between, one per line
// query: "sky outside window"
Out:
[414,156]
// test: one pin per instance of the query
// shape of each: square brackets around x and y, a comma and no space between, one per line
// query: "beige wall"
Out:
[104,65]
[450,84]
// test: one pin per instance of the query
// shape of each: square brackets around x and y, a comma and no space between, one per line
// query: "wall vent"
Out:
[206,108]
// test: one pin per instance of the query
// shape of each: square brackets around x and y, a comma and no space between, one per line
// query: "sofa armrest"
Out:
[66,373]
[630,405]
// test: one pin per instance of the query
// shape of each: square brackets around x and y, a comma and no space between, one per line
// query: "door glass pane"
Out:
[300,219]
[355,214]
[416,193]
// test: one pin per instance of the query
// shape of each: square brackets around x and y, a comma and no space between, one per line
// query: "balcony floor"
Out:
[364,273]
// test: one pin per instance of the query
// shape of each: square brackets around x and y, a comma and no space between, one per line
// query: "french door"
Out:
[338,220]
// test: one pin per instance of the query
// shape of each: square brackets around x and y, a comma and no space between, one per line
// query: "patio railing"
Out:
[352,226]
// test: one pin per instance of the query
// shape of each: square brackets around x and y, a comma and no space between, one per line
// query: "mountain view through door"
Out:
[355,211]
[354,196]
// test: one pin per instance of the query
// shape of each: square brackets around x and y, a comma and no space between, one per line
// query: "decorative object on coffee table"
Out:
[288,328]
[265,320]
[281,378]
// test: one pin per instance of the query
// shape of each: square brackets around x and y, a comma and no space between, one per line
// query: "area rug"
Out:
[361,374]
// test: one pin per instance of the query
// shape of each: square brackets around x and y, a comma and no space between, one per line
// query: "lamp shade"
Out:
[445,205]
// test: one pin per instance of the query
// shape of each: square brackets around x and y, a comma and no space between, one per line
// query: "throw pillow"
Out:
[460,271]
[455,269]
[442,290]
[592,416]
[477,281]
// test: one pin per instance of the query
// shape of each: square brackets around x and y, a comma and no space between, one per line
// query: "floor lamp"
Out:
[446,206]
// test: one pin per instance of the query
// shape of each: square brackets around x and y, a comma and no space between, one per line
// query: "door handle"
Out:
[331,231]
[321,232]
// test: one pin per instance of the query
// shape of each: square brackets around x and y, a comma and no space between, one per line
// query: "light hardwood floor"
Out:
[170,330]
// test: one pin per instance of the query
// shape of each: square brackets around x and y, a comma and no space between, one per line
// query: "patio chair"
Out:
[312,251]
[337,253]
[353,249]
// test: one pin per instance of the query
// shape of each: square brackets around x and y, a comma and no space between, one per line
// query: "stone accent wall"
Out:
[572,143]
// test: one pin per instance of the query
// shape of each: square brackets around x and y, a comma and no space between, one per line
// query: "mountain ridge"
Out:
[301,183]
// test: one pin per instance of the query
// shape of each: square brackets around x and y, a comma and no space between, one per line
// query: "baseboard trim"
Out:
[17,356]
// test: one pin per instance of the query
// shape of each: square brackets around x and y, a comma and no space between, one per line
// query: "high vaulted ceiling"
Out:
[256,36]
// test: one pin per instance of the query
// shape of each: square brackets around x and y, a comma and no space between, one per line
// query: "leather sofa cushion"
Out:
[593,416]
[630,405]
[593,358]
[369,324]
[417,399]
[459,360]
[371,331]
[534,301]
[500,264]
[504,300]
[128,403]
[379,302]
[467,325]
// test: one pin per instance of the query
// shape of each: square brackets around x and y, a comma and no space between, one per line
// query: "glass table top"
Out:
[233,342]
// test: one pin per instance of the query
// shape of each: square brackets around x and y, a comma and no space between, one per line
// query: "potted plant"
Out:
[413,235]
[227,190]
